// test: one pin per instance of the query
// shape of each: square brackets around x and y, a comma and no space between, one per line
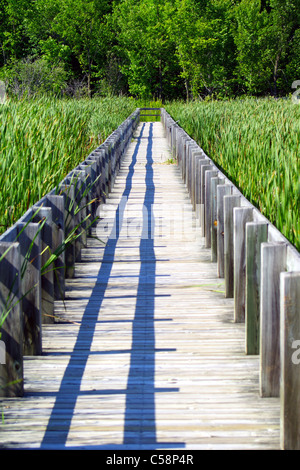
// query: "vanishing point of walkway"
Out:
[145,354]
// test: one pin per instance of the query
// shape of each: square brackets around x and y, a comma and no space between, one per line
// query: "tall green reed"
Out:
[256,144]
[42,140]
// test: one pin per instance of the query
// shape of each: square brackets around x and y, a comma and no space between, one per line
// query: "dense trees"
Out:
[150,48]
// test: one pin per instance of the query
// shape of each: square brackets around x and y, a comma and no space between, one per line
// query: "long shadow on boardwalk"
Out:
[140,420]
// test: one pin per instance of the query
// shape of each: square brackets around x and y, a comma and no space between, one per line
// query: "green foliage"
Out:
[42,140]
[149,61]
[29,77]
[256,143]
[266,41]
[203,46]
[159,49]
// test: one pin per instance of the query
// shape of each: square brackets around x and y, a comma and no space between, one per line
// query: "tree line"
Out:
[163,49]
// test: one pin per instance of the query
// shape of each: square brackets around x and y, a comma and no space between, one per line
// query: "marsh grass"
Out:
[42,140]
[256,143]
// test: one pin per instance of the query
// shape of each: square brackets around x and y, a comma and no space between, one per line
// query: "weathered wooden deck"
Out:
[145,354]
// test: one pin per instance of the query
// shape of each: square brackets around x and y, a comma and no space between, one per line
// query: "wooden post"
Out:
[77,209]
[256,234]
[90,169]
[186,139]
[229,203]
[103,186]
[196,181]
[204,168]
[68,192]
[222,190]
[192,148]
[181,150]
[47,279]
[187,164]
[196,155]
[290,360]
[189,144]
[207,206]
[178,147]
[12,329]
[214,218]
[81,184]
[199,164]
[273,262]
[104,178]
[30,246]
[57,205]
[94,157]
[241,215]
[108,157]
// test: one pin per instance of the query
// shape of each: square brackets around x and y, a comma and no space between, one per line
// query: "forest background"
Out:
[159,49]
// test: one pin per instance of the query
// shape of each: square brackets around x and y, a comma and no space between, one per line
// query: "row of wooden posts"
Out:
[261,271]
[39,252]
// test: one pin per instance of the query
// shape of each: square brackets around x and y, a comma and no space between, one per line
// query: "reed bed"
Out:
[255,142]
[42,140]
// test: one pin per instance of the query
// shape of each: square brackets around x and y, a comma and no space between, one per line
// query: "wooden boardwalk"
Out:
[145,354]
